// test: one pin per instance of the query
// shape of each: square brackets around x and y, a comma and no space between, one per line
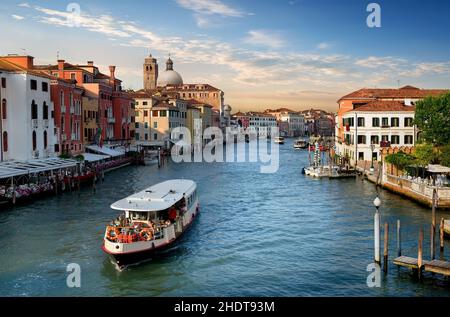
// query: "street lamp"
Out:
[372,148]
[376,228]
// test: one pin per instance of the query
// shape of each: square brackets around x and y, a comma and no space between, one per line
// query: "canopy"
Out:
[158,197]
[105,150]
[89,157]
[18,168]
[438,169]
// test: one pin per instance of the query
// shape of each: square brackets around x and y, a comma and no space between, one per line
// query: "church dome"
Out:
[169,77]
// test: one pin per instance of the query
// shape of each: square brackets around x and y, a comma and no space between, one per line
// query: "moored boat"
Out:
[300,144]
[152,220]
[279,140]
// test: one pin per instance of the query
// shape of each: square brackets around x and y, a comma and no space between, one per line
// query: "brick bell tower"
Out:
[150,73]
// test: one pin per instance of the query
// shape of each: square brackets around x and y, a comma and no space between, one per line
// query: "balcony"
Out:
[63,137]
[73,136]
[72,110]
[111,120]
[63,109]
[34,123]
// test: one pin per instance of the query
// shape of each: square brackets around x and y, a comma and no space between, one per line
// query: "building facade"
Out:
[380,124]
[27,125]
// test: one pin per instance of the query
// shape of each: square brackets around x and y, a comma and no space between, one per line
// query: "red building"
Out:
[67,100]
[115,106]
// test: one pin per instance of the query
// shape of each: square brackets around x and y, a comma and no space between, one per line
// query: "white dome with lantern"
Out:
[169,77]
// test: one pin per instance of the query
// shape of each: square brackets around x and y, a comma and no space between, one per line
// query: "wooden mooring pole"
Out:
[386,246]
[399,238]
[433,226]
[441,237]
[420,254]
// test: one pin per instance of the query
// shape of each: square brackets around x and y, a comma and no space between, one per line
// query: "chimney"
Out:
[23,61]
[112,71]
[90,63]
[61,64]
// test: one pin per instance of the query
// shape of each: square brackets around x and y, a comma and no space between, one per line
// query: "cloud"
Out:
[265,38]
[266,69]
[210,7]
[375,62]
[24,5]
[17,17]
[323,46]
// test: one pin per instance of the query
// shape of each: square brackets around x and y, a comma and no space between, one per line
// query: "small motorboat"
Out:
[279,140]
[300,144]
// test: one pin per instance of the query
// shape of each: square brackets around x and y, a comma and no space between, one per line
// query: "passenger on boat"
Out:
[172,215]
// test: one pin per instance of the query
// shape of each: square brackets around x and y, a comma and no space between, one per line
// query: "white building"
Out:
[381,123]
[257,123]
[295,123]
[27,125]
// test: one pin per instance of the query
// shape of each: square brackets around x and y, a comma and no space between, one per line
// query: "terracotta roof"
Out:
[67,66]
[390,106]
[164,106]
[404,92]
[11,67]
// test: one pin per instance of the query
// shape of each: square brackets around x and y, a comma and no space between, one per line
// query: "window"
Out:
[155,125]
[34,111]
[61,98]
[145,113]
[73,76]
[395,139]
[146,125]
[375,122]
[155,113]
[361,139]
[163,113]
[374,139]
[395,122]
[136,136]
[155,136]
[385,138]
[34,140]
[136,125]
[146,137]
[4,109]
[3,82]
[44,86]
[385,122]
[33,84]
[45,140]
[409,122]
[361,156]
[360,122]
[409,139]
[5,141]
[145,103]
[45,108]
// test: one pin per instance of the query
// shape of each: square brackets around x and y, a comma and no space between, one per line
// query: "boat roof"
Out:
[157,197]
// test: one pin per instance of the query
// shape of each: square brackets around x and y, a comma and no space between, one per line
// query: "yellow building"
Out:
[155,117]
[90,117]
[193,113]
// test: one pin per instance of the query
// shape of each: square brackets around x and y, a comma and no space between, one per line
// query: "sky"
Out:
[262,53]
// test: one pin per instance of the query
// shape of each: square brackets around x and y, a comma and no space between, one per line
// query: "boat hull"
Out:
[145,251]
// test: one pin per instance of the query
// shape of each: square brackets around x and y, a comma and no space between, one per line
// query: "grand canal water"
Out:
[279,234]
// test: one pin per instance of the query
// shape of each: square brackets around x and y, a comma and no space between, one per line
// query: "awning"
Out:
[105,150]
[89,157]
[438,169]
[18,168]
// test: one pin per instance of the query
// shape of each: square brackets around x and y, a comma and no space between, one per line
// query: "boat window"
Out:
[142,216]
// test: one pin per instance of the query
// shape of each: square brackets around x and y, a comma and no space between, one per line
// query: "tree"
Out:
[425,154]
[433,119]
[400,160]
